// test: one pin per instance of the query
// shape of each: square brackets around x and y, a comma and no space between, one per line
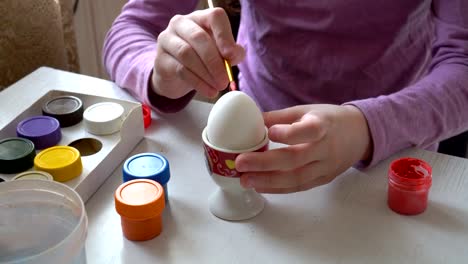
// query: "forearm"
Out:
[420,115]
[435,107]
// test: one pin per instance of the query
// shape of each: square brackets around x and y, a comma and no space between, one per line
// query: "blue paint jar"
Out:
[150,166]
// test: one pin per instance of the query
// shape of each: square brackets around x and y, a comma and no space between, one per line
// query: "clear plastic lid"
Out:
[41,222]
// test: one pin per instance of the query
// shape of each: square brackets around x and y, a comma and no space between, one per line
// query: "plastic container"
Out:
[41,222]
[140,205]
[149,166]
[409,181]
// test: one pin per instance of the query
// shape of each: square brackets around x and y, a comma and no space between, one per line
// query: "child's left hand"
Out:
[323,141]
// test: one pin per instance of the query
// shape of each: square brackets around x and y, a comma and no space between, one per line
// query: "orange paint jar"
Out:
[140,204]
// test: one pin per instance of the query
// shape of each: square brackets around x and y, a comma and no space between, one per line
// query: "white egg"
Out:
[235,122]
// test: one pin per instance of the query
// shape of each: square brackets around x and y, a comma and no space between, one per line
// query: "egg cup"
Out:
[231,201]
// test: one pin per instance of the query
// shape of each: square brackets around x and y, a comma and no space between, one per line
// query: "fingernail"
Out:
[273,132]
[242,166]
[246,182]
[234,55]
[226,52]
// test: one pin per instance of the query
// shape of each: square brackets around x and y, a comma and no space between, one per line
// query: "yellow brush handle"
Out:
[228,69]
[226,63]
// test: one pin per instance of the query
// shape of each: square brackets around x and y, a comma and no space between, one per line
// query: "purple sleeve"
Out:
[435,107]
[130,48]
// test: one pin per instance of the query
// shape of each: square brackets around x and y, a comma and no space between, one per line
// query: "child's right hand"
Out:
[190,53]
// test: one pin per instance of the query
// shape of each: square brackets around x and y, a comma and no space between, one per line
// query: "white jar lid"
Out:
[37,175]
[103,118]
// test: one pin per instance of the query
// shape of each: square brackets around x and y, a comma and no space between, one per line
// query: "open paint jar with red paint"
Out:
[409,181]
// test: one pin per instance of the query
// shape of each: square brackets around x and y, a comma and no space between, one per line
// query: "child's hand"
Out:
[323,141]
[190,54]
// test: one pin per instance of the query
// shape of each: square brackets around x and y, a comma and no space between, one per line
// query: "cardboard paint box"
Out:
[96,167]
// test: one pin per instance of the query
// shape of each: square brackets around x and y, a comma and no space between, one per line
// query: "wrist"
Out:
[152,87]
[363,138]
[165,104]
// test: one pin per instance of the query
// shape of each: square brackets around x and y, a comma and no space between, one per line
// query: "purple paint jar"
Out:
[43,131]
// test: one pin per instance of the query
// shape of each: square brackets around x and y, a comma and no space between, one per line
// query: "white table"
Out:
[346,221]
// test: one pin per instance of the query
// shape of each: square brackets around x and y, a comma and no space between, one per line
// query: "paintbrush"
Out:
[232,83]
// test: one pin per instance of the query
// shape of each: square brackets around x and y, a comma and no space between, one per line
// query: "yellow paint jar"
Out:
[62,162]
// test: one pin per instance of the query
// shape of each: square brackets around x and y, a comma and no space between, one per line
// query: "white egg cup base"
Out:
[235,203]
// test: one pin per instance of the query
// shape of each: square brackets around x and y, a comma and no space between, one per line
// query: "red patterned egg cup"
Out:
[222,161]
[231,201]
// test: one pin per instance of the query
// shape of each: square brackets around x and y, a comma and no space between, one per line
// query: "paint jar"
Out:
[62,162]
[140,204]
[149,166]
[33,175]
[43,131]
[68,110]
[409,181]
[146,115]
[16,154]
[104,118]
[41,222]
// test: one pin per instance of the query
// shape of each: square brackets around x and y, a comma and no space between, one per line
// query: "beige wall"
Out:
[92,21]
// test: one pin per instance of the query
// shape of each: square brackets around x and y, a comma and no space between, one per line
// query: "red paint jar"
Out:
[409,181]
[146,115]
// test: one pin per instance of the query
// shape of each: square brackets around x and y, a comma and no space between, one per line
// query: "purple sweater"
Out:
[404,63]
